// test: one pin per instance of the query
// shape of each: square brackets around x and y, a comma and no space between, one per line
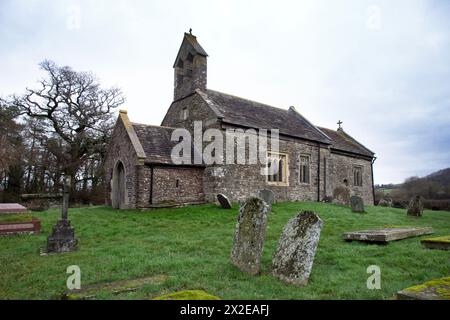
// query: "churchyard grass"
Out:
[191,247]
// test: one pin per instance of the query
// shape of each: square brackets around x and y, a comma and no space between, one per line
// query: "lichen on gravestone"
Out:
[249,235]
[296,249]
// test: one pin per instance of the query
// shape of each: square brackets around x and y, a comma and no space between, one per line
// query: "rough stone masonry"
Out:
[297,246]
[249,236]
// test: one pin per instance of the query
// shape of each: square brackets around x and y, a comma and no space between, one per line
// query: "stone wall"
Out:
[188,189]
[121,149]
[340,168]
[239,181]
[198,110]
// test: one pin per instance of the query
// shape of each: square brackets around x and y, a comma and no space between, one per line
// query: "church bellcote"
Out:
[189,67]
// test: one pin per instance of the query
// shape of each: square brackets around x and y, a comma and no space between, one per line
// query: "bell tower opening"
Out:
[190,67]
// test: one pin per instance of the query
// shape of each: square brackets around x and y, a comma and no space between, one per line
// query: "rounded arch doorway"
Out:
[118,186]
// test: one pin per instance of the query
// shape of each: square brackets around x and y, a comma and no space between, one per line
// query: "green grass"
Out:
[191,247]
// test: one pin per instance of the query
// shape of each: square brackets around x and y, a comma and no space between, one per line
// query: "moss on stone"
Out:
[188,295]
[440,287]
[443,239]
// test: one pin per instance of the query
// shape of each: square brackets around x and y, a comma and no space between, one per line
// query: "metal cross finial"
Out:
[339,123]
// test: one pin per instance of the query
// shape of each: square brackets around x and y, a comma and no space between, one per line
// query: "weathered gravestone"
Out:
[267,196]
[224,201]
[415,207]
[297,246]
[62,238]
[357,204]
[249,236]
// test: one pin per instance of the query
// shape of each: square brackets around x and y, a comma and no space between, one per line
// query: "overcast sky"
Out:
[382,67]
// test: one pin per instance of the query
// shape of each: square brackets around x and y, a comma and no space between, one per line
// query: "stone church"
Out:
[315,163]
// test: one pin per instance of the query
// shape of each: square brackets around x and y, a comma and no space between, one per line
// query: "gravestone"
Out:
[8,208]
[437,289]
[296,249]
[224,201]
[62,238]
[267,196]
[439,243]
[249,236]
[415,207]
[385,203]
[387,234]
[357,204]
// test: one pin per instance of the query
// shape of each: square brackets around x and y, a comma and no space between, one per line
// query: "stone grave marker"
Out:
[415,207]
[297,246]
[267,196]
[439,243]
[437,289]
[249,236]
[387,234]
[62,238]
[7,208]
[357,204]
[224,201]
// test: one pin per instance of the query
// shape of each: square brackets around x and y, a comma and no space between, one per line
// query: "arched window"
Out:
[357,176]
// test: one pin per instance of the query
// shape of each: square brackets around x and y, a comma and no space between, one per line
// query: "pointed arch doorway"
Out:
[118,186]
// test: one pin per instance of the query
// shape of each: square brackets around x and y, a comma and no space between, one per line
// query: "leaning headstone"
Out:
[267,196]
[224,201]
[415,207]
[357,204]
[297,246]
[249,236]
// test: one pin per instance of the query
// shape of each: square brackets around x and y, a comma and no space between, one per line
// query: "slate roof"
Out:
[251,114]
[156,142]
[192,40]
[344,142]
[194,43]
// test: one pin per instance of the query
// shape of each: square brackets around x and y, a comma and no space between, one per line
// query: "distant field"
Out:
[191,247]
[385,190]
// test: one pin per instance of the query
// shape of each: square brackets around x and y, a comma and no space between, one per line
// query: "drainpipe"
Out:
[318,172]
[151,185]
[373,184]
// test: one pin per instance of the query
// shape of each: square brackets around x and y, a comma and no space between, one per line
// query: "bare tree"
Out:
[73,110]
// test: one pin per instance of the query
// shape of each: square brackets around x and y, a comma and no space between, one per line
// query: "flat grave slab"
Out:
[440,243]
[6,208]
[116,287]
[437,289]
[188,295]
[387,234]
